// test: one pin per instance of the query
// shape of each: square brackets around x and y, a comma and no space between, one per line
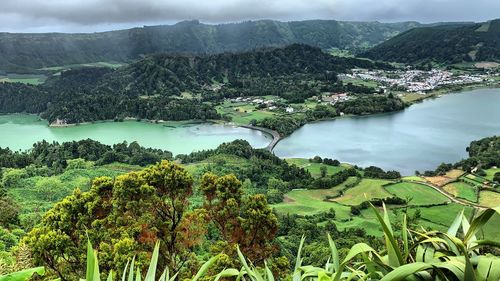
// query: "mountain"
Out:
[27,52]
[450,43]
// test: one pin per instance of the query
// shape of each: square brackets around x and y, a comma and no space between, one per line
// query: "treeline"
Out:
[379,173]
[363,105]
[55,155]
[151,88]
[264,170]
[287,124]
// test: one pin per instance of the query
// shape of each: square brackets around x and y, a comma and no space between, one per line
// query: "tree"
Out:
[247,222]
[496,177]
[323,171]
[9,211]
[11,177]
[124,217]
[49,188]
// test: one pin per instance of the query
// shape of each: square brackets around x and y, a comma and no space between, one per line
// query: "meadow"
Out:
[32,79]
[461,190]
[416,194]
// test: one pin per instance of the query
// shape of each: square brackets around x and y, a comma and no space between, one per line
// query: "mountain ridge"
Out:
[450,43]
[27,52]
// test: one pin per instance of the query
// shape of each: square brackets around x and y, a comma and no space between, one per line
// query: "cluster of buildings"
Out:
[252,100]
[333,98]
[415,80]
[263,103]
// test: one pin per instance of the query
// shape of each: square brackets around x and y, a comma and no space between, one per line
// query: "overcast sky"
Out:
[100,15]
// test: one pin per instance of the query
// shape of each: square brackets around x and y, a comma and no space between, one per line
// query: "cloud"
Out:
[61,15]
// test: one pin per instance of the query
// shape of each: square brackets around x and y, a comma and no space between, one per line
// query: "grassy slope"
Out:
[366,190]
[489,198]
[461,190]
[315,168]
[420,194]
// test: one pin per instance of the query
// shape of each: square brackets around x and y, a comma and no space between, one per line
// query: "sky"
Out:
[102,15]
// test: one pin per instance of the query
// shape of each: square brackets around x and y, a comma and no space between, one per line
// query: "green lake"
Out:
[20,131]
[418,138]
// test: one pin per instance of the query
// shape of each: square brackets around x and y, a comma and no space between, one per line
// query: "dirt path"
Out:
[453,198]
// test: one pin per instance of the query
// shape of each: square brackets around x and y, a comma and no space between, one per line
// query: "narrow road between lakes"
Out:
[276,136]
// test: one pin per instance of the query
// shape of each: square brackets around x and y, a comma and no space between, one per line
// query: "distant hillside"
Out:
[27,52]
[151,88]
[453,43]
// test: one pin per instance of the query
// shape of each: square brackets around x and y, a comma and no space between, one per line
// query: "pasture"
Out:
[462,190]
[417,194]
[315,168]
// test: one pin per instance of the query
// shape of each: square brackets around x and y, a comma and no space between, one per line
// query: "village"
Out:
[415,80]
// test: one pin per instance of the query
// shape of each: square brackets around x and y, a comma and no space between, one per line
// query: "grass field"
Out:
[95,64]
[491,172]
[489,198]
[366,190]
[443,215]
[243,113]
[309,202]
[420,194]
[414,178]
[361,82]
[315,168]
[312,201]
[32,79]
[461,190]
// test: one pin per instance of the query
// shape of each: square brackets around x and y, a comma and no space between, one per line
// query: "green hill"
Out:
[451,43]
[27,52]
[151,88]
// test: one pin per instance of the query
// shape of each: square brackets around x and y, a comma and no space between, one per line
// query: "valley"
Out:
[258,150]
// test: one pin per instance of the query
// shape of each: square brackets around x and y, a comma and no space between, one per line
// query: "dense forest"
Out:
[151,88]
[25,53]
[454,43]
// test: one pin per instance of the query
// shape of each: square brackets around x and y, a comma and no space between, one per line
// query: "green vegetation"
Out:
[417,194]
[447,44]
[413,254]
[462,190]
[315,168]
[366,190]
[31,79]
[35,51]
[490,174]
[489,198]
[221,199]
[156,87]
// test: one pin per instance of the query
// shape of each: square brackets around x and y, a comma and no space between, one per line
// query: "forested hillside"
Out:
[27,52]
[151,88]
[453,43]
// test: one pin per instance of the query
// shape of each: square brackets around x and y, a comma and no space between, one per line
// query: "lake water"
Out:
[418,138]
[19,131]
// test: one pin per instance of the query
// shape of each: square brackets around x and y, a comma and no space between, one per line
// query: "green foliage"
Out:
[444,44]
[124,217]
[185,37]
[247,222]
[46,158]
[150,88]
[363,105]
